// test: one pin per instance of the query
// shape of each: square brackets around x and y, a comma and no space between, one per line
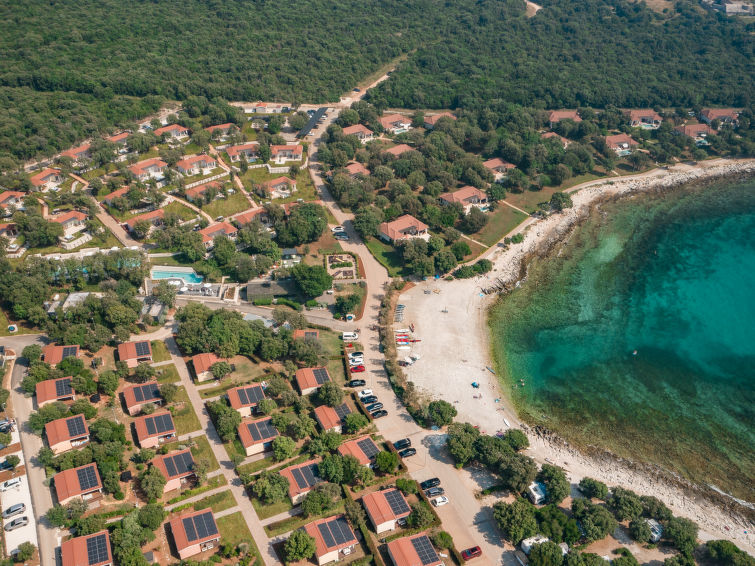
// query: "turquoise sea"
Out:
[672,277]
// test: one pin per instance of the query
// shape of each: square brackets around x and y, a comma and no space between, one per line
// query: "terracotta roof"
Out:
[497,162]
[694,130]
[74,152]
[142,432]
[615,141]
[273,183]
[159,463]
[378,508]
[340,524]
[213,230]
[118,137]
[399,149]
[237,149]
[159,213]
[357,129]
[47,390]
[200,189]
[276,149]
[203,362]
[73,552]
[8,195]
[327,417]
[403,553]
[189,162]
[236,401]
[67,482]
[66,216]
[39,179]
[171,128]
[718,113]
[357,169]
[180,537]
[463,194]
[140,168]
[548,135]
[305,377]
[52,354]
[225,127]
[294,488]
[391,119]
[116,194]
[558,115]
[432,120]
[637,115]
[129,395]
[303,334]
[265,428]
[394,230]
[248,216]
[351,448]
[57,431]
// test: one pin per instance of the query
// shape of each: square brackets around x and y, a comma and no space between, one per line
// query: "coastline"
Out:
[453,355]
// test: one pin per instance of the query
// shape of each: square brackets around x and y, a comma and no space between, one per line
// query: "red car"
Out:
[357,369]
[470,553]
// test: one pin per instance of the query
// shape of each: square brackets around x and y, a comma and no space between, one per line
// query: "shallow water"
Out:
[671,276]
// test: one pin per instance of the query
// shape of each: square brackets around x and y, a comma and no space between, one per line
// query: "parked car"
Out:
[470,553]
[17,523]
[14,510]
[350,336]
[357,383]
[369,399]
[402,522]
[335,229]
[439,501]
[407,452]
[401,444]
[10,484]
[354,354]
[365,393]
[4,465]
[427,484]
[435,491]
[357,369]
[378,414]
[341,236]
[356,362]
[374,407]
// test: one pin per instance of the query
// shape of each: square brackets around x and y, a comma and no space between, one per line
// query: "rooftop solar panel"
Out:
[69,351]
[367,446]
[425,550]
[209,523]
[165,423]
[326,536]
[87,478]
[299,478]
[170,466]
[63,387]
[142,349]
[254,394]
[138,394]
[343,411]
[310,474]
[242,396]
[97,549]
[310,334]
[183,462]
[341,530]
[397,502]
[191,532]
[321,375]
[75,426]
[149,422]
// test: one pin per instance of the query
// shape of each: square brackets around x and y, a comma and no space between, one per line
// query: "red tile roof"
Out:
[558,115]
[403,553]
[379,509]
[57,431]
[293,486]
[276,149]
[130,398]
[399,149]
[322,547]
[179,532]
[118,137]
[394,230]
[73,552]
[327,417]
[47,390]
[464,193]
[67,482]
[389,120]
[304,333]
[351,448]
[695,130]
[357,169]
[53,354]
[8,195]
[171,128]
[224,127]
[75,152]
[235,400]
[278,181]
[248,216]
[141,167]
[201,189]
[305,378]
[644,113]
[159,463]
[40,178]
[116,194]
[127,350]
[432,120]
[151,216]
[718,113]
[203,362]
[192,160]
[66,216]
[616,141]
[246,437]
[235,150]
[357,129]
[497,163]
[224,228]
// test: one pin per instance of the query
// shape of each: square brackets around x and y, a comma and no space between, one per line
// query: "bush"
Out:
[682,533]
[442,539]
[639,530]
[516,520]
[355,422]
[262,302]
[283,448]
[556,484]
[441,413]
[407,486]
[289,303]
[386,462]
[727,554]
[593,489]
[421,516]
[625,504]
[299,546]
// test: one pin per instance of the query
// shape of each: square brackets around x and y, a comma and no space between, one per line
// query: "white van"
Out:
[350,336]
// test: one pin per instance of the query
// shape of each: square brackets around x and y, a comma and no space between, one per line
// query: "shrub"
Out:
[593,489]
[407,486]
[262,302]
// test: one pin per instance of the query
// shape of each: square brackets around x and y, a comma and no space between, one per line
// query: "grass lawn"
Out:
[201,176]
[184,212]
[332,342]
[254,467]
[167,374]
[500,223]
[305,188]
[217,502]
[202,451]
[159,351]
[227,206]
[293,523]
[233,448]
[212,483]
[234,531]
[528,200]
[387,256]
[265,511]
[185,418]
[22,328]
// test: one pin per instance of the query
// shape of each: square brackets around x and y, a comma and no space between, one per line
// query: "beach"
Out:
[451,320]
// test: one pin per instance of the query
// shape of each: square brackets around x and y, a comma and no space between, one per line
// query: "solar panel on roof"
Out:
[368,447]
[87,478]
[425,550]
[254,394]
[184,462]
[63,387]
[75,426]
[142,349]
[321,375]
[343,411]
[310,334]
[170,467]
[326,536]
[397,502]
[310,474]
[341,527]
[254,431]
[191,532]
[69,351]
[164,423]
[209,523]
[299,478]
[147,392]
[97,549]
[150,424]
[138,394]
[242,396]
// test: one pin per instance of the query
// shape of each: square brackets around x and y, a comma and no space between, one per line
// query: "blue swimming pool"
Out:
[189,276]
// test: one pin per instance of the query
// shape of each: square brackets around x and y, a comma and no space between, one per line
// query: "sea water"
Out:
[637,334]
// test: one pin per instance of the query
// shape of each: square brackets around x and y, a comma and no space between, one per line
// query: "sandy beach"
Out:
[450,319]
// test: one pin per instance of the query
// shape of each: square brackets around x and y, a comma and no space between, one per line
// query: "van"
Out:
[350,336]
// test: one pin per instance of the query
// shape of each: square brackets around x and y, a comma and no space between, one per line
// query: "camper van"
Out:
[350,336]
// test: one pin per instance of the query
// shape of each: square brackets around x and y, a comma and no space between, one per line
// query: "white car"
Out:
[439,501]
[356,362]
[336,229]
[10,484]
[365,393]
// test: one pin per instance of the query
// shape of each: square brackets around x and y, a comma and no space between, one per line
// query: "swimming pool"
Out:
[188,275]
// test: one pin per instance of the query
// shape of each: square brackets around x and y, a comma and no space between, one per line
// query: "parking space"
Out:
[27,533]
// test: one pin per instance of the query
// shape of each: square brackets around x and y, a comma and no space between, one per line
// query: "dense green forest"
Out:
[69,69]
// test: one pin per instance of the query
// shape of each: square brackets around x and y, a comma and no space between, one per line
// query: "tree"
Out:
[271,487]
[152,482]
[593,489]
[727,554]
[25,552]
[83,407]
[355,513]
[407,486]
[71,366]
[654,508]
[151,516]
[473,221]
[331,468]
[57,516]
[32,352]
[553,523]
[299,546]
[144,372]
[441,412]
[108,382]
[283,448]
[165,293]
[625,504]
[682,533]
[517,471]
[556,484]
[267,406]
[516,520]
[331,394]
[313,280]
[355,422]
[12,461]
[421,516]
[596,520]
[141,228]
[386,462]
[639,530]
[226,419]
[461,442]
[220,369]
[559,201]
[84,384]
[168,392]
[460,249]
[546,554]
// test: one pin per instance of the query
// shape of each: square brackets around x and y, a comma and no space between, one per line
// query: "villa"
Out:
[222,130]
[203,365]
[645,118]
[498,167]
[403,228]
[333,537]
[12,198]
[399,149]
[119,139]
[244,218]
[331,419]
[174,131]
[118,193]
[283,153]
[47,179]
[728,116]
[621,144]
[78,483]
[249,151]
[396,123]
[53,391]
[53,355]
[88,550]
[197,193]
[154,217]
[280,187]
[557,115]
[196,164]
[468,197]
[67,433]
[246,398]
[78,154]
[431,121]
[135,353]
[137,396]
[149,169]
[153,430]
[355,169]
[553,135]
[194,533]
[698,132]
[363,133]
[72,222]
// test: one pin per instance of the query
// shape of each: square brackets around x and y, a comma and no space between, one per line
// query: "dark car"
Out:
[470,553]
[374,407]
[401,444]
[434,491]
[369,399]
[356,383]
[378,414]
[356,355]
[408,452]
[432,482]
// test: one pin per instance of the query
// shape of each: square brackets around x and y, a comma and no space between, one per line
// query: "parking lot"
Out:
[19,494]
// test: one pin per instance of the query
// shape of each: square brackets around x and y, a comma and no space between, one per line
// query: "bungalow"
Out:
[244,218]
[403,228]
[136,396]
[331,419]
[53,390]
[280,187]
[153,430]
[12,198]
[353,170]
[498,167]
[149,169]
[621,144]
[197,193]
[468,197]
[290,257]
[363,133]
[557,115]
[309,380]
[220,229]
[246,398]
[196,164]
[202,365]
[413,550]
[333,537]
[283,153]
[8,230]
[548,135]
[644,118]
[53,355]
[249,151]
[88,550]
[47,178]
[306,334]
[67,433]
[78,483]
[431,121]
[172,131]
[396,123]
[72,221]
[78,154]
[194,533]
[176,467]
[154,217]
[729,116]
[269,107]
[301,479]
[257,436]
[118,193]
[384,508]
[363,449]
[119,139]
[222,130]
[698,132]
[399,149]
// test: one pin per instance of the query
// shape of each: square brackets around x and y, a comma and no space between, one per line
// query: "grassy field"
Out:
[258,466]
[183,212]
[232,204]
[202,452]
[4,323]
[167,374]
[185,418]
[235,447]
[305,188]
[217,502]
[500,223]
[387,256]
[159,351]
[293,523]
[234,531]
[265,511]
